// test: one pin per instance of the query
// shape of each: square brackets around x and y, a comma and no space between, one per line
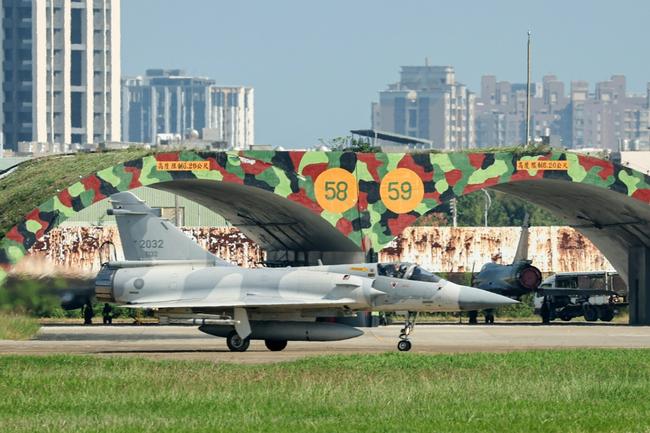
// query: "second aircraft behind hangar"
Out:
[166,271]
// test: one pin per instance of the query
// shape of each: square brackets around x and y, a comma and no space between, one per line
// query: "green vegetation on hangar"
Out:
[535,391]
[36,180]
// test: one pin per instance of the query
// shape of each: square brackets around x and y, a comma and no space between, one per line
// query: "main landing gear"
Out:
[404,344]
[237,344]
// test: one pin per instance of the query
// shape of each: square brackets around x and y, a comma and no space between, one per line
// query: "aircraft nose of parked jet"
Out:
[471,299]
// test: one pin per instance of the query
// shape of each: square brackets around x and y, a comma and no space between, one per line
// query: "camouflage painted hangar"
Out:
[343,206]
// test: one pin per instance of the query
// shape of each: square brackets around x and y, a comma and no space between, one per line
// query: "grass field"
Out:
[567,391]
[17,327]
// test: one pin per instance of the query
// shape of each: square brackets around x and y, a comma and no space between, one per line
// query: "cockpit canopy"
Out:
[407,271]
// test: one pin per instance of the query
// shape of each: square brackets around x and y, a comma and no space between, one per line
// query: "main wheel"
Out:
[404,345]
[473,317]
[275,345]
[489,319]
[236,343]
[606,314]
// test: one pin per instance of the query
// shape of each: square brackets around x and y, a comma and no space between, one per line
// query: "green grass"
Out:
[37,180]
[567,391]
[17,327]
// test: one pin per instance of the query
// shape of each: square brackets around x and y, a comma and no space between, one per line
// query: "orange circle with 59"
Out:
[336,190]
[401,190]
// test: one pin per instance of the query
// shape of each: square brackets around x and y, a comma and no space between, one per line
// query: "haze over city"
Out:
[316,67]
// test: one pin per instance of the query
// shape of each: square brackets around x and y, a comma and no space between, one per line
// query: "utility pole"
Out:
[528,92]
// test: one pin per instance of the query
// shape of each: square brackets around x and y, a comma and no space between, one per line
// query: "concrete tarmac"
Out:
[182,342]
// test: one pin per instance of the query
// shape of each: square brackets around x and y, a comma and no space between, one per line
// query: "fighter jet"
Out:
[166,271]
[513,280]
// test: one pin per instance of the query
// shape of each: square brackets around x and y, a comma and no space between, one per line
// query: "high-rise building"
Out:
[60,71]
[167,102]
[608,118]
[501,112]
[427,103]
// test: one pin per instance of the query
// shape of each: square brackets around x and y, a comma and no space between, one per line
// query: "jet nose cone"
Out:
[471,299]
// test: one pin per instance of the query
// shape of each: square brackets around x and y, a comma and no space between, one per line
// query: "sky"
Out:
[317,65]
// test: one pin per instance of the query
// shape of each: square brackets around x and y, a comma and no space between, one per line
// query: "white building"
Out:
[60,71]
[168,102]
[428,103]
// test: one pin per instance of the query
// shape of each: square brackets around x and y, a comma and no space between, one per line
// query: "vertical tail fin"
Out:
[522,247]
[146,236]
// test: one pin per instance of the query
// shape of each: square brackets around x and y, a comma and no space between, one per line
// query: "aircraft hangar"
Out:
[340,207]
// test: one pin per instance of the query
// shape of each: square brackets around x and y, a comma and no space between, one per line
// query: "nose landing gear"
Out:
[404,344]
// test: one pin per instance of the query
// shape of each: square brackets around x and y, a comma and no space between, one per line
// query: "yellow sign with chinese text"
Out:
[182,165]
[542,165]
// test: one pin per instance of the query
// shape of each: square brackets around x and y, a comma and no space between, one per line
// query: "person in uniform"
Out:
[88,314]
[107,314]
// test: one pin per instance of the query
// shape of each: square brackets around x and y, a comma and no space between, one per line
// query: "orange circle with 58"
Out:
[401,190]
[336,190]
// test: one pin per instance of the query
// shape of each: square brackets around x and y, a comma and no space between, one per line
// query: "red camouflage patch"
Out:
[135,177]
[476,159]
[606,168]
[93,183]
[296,158]
[301,197]
[407,162]
[170,156]
[314,170]
[488,183]
[397,225]
[256,168]
[15,235]
[642,194]
[453,176]
[344,226]
[65,198]
[371,163]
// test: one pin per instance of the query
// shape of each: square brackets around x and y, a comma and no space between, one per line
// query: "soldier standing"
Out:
[88,314]
[107,314]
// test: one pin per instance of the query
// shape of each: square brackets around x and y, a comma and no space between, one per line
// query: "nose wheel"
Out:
[404,344]
[237,344]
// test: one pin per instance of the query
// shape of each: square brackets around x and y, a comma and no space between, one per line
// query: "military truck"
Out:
[592,295]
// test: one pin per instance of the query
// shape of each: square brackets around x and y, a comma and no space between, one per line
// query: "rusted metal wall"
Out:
[552,249]
[76,249]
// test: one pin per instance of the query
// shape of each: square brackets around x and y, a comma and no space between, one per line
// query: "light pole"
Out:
[488,203]
[528,92]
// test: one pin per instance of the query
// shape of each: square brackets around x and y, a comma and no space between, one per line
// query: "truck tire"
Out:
[590,313]
[565,316]
[606,314]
